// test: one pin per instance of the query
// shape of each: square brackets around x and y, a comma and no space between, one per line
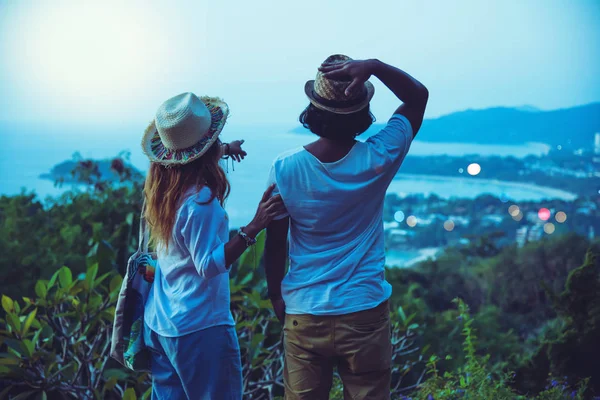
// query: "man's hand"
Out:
[235,150]
[279,308]
[359,71]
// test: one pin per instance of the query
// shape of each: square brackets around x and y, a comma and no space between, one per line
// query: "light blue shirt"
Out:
[191,284]
[337,254]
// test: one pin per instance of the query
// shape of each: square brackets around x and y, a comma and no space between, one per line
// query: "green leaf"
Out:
[247,278]
[402,314]
[129,394]
[129,219]
[147,394]
[41,290]
[8,304]
[14,322]
[29,321]
[117,373]
[65,278]
[110,383]
[90,275]
[27,345]
[101,279]
[53,279]
[115,283]
[11,360]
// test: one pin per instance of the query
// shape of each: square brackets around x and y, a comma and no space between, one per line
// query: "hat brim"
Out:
[308,89]
[153,147]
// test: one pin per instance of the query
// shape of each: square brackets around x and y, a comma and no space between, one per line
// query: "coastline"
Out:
[550,191]
[423,254]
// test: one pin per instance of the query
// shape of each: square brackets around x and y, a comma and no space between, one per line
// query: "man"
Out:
[334,299]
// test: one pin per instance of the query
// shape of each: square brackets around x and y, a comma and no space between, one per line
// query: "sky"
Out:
[109,63]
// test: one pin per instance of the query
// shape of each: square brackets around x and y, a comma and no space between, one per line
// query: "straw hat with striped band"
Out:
[184,128]
[329,94]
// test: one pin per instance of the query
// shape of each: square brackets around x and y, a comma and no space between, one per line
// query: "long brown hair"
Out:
[165,187]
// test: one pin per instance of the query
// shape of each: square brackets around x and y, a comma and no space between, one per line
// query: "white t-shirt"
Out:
[191,284]
[337,254]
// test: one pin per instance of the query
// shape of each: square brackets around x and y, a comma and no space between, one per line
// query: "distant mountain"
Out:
[569,127]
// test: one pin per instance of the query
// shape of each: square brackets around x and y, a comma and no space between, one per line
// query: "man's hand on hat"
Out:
[358,70]
[235,150]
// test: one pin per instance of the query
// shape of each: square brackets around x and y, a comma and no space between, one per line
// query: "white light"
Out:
[399,216]
[449,225]
[411,221]
[560,217]
[474,169]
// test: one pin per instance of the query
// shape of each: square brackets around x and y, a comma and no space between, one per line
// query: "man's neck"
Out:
[327,150]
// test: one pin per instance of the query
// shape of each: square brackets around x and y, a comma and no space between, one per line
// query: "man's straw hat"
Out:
[329,94]
[184,128]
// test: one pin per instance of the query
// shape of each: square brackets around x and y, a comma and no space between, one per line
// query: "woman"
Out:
[189,328]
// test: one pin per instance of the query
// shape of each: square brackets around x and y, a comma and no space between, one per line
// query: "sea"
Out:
[28,152]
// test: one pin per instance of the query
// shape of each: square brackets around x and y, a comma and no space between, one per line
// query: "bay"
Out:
[29,152]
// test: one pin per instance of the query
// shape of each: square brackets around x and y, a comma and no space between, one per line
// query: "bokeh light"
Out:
[399,216]
[514,210]
[518,216]
[411,221]
[474,169]
[461,170]
[449,225]
[549,228]
[559,147]
[560,217]
[544,214]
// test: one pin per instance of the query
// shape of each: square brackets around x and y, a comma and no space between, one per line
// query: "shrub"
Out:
[475,381]
[57,344]
[572,348]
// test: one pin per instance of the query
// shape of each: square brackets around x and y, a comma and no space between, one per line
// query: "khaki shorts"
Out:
[358,344]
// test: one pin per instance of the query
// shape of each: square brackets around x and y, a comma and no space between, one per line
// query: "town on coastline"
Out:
[420,225]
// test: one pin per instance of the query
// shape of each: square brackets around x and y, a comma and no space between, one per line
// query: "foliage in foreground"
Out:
[58,353]
[475,381]
[56,344]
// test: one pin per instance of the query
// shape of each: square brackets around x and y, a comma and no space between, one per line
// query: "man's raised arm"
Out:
[411,92]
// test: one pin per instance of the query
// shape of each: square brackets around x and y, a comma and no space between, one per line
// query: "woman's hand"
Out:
[357,70]
[235,150]
[268,208]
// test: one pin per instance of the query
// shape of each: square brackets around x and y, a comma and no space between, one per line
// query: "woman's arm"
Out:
[210,255]
[268,208]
